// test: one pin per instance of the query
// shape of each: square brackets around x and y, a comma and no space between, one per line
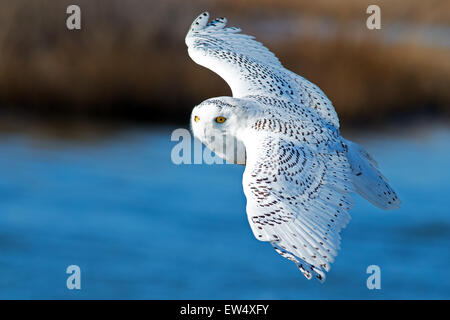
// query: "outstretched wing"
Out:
[249,68]
[297,199]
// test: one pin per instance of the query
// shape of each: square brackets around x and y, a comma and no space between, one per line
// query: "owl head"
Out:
[217,123]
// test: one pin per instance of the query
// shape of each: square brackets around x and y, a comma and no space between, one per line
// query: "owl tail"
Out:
[368,180]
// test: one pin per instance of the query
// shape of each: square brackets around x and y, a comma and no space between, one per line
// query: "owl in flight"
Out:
[300,172]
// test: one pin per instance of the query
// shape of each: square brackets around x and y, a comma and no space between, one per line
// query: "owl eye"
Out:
[220,119]
[196,119]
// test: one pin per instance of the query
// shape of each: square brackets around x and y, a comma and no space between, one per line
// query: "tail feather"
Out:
[368,180]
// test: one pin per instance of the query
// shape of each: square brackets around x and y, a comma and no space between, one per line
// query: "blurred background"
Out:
[86,176]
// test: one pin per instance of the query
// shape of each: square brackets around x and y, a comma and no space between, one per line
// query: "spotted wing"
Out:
[297,199]
[250,68]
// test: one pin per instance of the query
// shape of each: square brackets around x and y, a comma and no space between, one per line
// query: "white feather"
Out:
[299,171]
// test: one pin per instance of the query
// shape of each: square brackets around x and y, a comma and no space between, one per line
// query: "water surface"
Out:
[141,227]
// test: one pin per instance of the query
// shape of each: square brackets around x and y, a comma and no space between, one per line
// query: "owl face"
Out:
[213,118]
[215,122]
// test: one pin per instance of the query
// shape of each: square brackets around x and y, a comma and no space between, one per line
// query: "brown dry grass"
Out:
[129,60]
[432,11]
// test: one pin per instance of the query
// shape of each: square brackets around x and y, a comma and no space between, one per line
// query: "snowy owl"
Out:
[299,171]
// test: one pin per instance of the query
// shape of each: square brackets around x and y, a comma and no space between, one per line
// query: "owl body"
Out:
[300,173]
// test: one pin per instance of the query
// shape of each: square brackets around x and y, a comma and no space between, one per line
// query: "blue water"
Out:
[141,227]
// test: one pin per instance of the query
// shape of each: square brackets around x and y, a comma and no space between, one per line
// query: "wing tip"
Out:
[313,272]
[216,25]
[389,205]
[201,21]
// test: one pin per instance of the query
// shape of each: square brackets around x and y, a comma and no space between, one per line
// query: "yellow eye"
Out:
[220,119]
[196,119]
